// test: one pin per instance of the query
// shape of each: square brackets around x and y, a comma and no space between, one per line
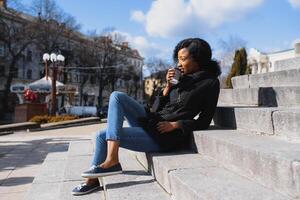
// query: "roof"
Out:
[282,51]
[43,85]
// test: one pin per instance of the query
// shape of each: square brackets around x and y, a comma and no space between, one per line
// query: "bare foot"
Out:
[107,164]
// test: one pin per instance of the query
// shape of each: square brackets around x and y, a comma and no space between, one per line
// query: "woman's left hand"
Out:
[166,126]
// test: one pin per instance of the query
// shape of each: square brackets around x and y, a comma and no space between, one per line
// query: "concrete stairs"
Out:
[252,153]
[269,161]
[60,173]
[229,164]
[266,103]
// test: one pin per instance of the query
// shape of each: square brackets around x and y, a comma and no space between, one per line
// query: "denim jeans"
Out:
[133,137]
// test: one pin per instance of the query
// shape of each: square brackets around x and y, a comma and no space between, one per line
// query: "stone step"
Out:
[193,176]
[270,161]
[78,160]
[46,185]
[60,173]
[271,79]
[135,183]
[291,63]
[282,122]
[268,96]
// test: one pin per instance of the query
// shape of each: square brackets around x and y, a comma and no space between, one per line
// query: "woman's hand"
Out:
[165,126]
[170,74]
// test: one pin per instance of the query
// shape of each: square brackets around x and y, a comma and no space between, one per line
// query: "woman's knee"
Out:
[116,95]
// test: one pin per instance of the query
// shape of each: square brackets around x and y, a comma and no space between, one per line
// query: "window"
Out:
[29,74]
[29,55]
[2,51]
[70,78]
[2,70]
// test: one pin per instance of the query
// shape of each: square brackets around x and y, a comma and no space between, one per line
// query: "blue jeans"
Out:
[134,137]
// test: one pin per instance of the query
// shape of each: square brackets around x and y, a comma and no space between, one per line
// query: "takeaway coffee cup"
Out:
[175,79]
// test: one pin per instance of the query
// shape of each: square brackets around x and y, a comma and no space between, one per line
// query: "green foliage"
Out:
[239,66]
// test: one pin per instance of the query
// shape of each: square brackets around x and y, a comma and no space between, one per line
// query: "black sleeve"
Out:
[160,101]
[206,115]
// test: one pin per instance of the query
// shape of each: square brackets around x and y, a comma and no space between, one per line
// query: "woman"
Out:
[171,121]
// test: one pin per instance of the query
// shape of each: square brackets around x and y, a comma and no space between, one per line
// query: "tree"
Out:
[56,31]
[128,75]
[55,26]
[16,33]
[86,63]
[131,77]
[136,84]
[108,54]
[227,52]
[239,66]
[157,68]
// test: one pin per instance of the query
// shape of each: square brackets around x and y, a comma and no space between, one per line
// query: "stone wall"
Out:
[286,64]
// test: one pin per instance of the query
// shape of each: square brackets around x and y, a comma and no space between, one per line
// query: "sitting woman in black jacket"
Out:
[170,122]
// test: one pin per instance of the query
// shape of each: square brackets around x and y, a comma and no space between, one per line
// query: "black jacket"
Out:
[195,94]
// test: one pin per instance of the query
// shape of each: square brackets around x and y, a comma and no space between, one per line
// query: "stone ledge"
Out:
[215,183]
[287,123]
[135,183]
[18,126]
[266,160]
[193,176]
[69,123]
[74,121]
[265,96]
[278,121]
[271,79]
[291,63]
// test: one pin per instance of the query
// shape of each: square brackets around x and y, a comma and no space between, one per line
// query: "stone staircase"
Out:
[251,153]
[60,173]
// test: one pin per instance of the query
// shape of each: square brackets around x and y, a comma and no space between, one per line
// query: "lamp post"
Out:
[46,58]
[54,59]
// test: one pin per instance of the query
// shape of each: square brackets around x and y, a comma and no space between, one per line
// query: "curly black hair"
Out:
[200,52]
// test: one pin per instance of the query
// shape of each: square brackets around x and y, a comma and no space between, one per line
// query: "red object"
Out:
[29,95]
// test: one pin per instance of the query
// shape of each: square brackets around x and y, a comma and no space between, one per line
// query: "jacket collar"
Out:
[199,75]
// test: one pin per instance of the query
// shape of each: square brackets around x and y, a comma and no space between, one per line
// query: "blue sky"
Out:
[154,27]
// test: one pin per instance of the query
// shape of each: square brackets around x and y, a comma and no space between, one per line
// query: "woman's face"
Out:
[186,63]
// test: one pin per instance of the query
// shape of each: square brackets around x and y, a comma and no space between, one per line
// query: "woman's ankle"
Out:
[91,181]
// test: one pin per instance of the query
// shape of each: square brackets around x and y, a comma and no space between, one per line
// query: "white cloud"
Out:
[179,17]
[216,12]
[295,3]
[137,16]
[146,49]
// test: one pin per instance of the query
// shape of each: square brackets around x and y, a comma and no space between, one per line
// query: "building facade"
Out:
[269,62]
[30,67]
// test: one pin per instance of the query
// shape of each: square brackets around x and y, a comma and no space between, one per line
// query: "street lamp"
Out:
[46,58]
[54,59]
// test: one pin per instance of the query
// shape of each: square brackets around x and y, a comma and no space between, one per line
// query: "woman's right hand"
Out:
[170,74]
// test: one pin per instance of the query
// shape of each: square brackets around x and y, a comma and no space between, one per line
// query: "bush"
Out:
[42,119]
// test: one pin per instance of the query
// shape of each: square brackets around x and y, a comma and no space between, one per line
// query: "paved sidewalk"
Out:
[22,153]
